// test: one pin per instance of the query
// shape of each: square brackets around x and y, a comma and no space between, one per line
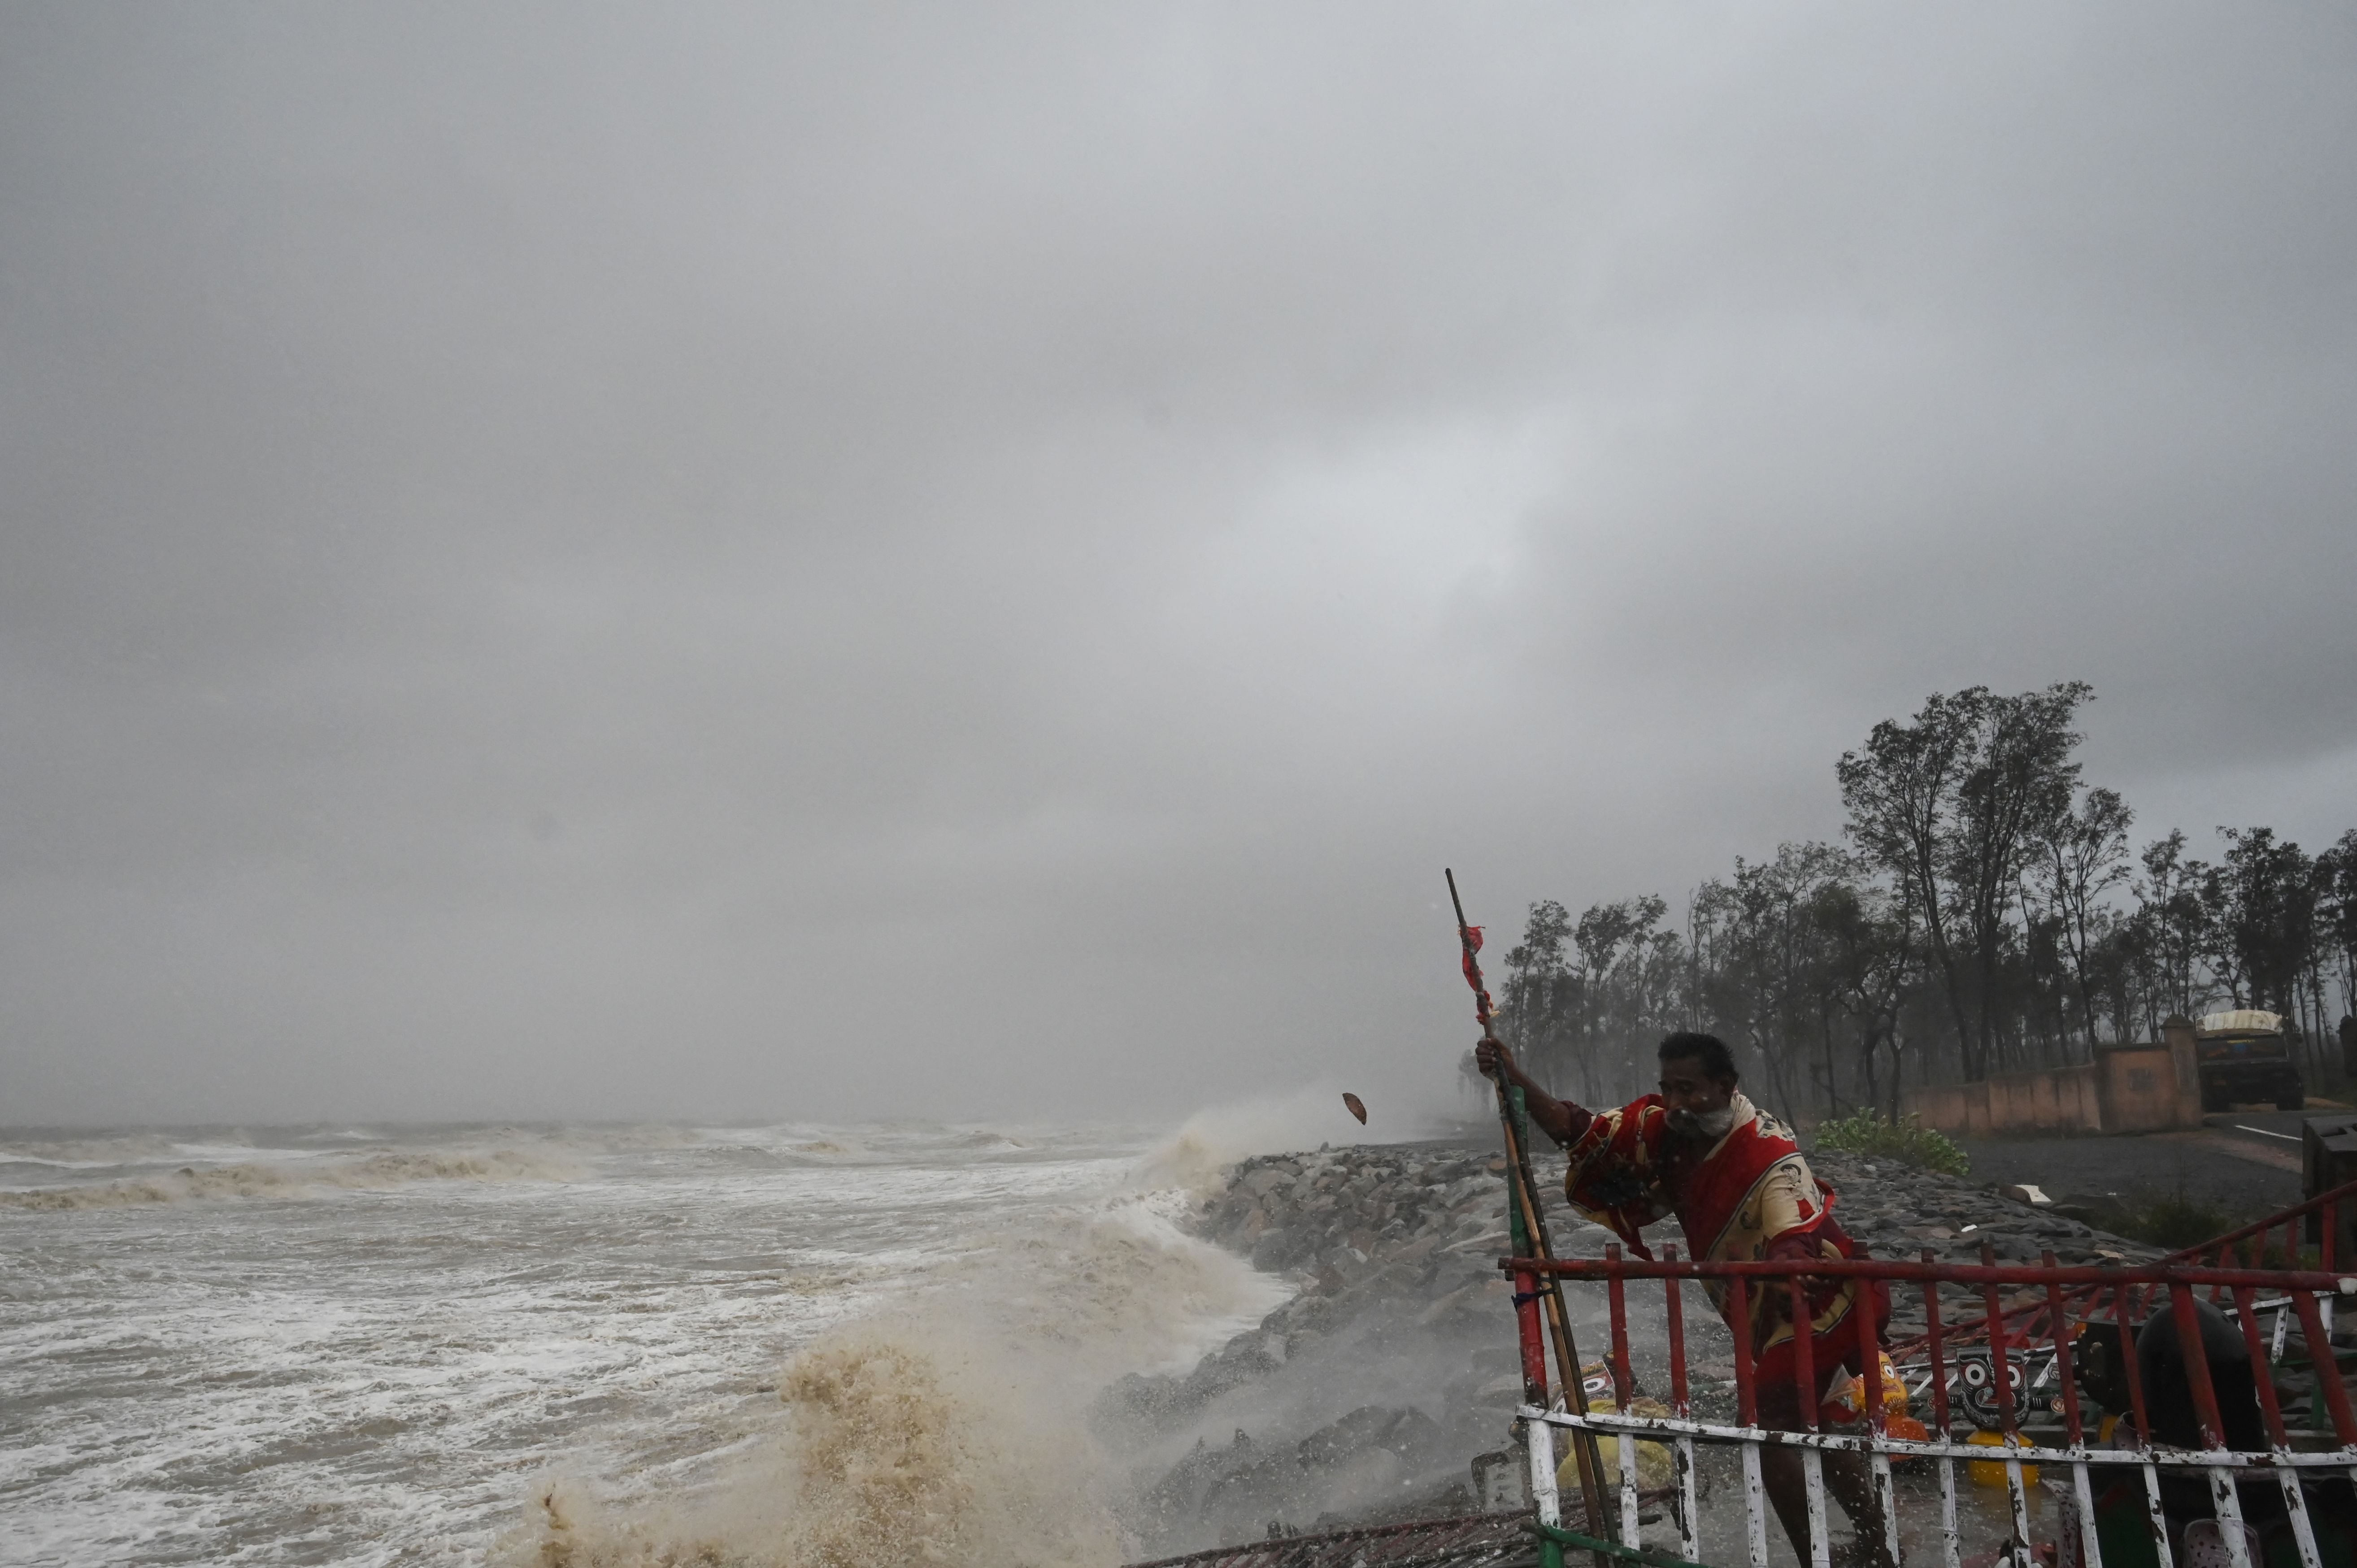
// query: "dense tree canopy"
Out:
[1986,913]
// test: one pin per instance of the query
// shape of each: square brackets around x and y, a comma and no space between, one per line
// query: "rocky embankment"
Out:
[1429,1221]
[1345,1211]
[1370,1392]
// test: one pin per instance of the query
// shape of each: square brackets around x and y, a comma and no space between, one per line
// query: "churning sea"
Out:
[468,1344]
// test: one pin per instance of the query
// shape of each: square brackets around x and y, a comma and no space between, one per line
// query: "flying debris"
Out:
[1358,1107]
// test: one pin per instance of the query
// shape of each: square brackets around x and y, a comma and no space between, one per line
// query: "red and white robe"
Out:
[1749,1195]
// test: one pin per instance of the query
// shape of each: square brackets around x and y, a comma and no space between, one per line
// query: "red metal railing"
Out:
[2068,1297]
[2254,1246]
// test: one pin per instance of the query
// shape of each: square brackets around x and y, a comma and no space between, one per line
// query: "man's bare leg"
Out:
[1783,1473]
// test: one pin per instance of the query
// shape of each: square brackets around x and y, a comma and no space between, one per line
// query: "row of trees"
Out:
[1984,913]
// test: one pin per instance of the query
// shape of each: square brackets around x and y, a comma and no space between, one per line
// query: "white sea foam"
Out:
[1214,1138]
[948,1423]
[403,1369]
[251,1180]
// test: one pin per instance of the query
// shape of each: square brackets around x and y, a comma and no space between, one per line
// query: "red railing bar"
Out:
[2056,1319]
[2325,1205]
[1675,1307]
[1869,1349]
[1931,1332]
[2197,1365]
[1804,1354]
[1623,1383]
[2132,1369]
[2000,1369]
[2322,1200]
[2270,1409]
[1526,1329]
[2326,1366]
[1951,1274]
[1738,1318]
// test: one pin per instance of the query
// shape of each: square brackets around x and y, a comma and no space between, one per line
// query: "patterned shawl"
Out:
[1751,1188]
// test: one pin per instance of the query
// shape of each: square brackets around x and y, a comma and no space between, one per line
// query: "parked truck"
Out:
[2245,1056]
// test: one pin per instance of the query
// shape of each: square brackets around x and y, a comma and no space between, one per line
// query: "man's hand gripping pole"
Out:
[1531,1290]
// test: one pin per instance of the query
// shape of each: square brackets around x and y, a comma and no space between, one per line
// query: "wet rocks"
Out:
[1395,1250]
[1900,1211]
[1357,1465]
[1406,1219]
[1340,1207]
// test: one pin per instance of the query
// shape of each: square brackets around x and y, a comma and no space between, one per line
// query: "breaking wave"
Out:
[780,1345]
[1194,1157]
[951,1427]
[890,1454]
[194,1184]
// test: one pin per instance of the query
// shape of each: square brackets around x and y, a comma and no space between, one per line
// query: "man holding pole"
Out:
[1741,1190]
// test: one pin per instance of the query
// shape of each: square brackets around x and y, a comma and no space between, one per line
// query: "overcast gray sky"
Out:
[978,561]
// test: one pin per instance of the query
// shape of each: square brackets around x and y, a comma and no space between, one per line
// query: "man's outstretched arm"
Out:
[1558,1118]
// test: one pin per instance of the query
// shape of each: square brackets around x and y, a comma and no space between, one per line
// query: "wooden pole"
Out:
[1532,1242]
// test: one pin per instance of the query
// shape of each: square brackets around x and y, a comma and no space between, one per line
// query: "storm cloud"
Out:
[702,561]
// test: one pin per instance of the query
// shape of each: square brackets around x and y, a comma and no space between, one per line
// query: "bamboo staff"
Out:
[1532,1242]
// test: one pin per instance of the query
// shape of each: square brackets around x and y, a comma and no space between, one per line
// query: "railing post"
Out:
[2223,1498]
[1623,1387]
[2326,1365]
[1547,1498]
[1616,1294]
[1683,1455]
[2326,1251]
[2246,1308]
[1940,1415]
[2133,1372]
[1804,1384]
[1746,1411]
[1869,1348]
[2001,1375]
[2058,1330]
[2226,1459]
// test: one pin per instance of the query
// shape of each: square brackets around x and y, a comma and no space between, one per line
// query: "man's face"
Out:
[1698,1104]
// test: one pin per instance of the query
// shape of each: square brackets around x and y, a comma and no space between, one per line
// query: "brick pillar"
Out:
[2177,1032]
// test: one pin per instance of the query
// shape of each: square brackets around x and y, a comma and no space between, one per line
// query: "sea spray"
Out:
[950,1423]
[889,1454]
[1193,1158]
[365,1377]
[256,1179]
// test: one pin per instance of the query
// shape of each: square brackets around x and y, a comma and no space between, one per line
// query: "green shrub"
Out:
[2175,1221]
[1869,1134]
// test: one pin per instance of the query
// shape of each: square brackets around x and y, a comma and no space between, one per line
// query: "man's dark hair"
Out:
[1711,1051]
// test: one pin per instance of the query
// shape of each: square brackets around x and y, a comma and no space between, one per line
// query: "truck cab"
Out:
[2245,1056]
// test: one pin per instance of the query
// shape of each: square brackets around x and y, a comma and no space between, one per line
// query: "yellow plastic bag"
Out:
[1654,1470]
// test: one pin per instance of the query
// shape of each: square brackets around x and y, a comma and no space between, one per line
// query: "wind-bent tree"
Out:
[2084,855]
[1899,792]
[1539,1004]
[2021,774]
[1869,935]
[1620,954]
[1986,908]
[2336,871]
[1771,979]
[2175,924]
[2268,901]
[1953,804]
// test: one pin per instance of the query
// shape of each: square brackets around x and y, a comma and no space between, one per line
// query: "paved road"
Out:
[2245,1162]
